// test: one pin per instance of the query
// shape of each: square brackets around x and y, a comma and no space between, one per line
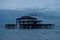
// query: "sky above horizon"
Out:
[15,4]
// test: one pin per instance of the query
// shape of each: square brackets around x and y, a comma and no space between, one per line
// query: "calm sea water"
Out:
[29,34]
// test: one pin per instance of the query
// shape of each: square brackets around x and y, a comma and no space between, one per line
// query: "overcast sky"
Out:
[13,4]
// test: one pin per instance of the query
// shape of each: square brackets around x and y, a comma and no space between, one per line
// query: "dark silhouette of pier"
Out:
[10,26]
[36,26]
[28,22]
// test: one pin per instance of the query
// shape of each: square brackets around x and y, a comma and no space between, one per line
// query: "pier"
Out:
[28,22]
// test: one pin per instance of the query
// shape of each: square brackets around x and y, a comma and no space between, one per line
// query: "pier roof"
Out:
[27,17]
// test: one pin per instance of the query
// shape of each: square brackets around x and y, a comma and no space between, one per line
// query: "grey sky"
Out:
[13,4]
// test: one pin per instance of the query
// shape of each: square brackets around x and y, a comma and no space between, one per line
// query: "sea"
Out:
[29,34]
[10,16]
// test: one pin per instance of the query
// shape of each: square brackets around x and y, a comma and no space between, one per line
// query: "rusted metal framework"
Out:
[28,22]
[10,26]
